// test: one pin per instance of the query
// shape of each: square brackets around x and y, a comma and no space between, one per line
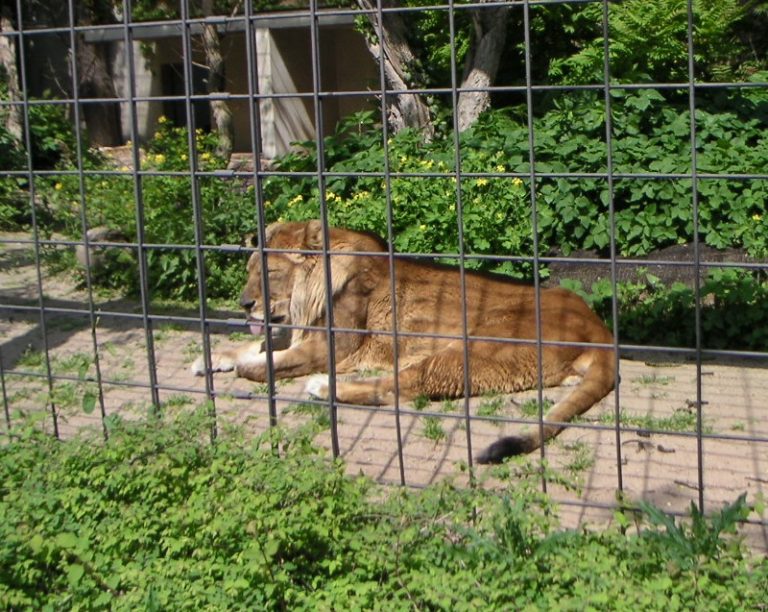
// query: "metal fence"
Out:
[709,462]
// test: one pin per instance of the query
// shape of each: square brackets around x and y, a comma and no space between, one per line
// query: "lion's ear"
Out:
[313,236]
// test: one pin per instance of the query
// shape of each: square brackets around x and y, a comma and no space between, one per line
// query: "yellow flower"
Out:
[205,156]
[757,217]
[423,227]
[517,182]
[500,168]
[162,119]
[124,169]
[58,186]
[183,157]
[159,158]
[482,182]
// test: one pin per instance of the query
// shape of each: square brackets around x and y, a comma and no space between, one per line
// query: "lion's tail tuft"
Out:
[599,370]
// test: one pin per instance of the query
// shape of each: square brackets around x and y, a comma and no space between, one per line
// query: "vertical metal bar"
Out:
[256,146]
[138,193]
[612,221]
[33,215]
[535,231]
[197,211]
[390,243]
[460,223]
[4,391]
[92,319]
[696,253]
[318,111]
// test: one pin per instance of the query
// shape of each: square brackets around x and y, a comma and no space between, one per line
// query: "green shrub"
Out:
[734,310]
[227,208]
[648,42]
[157,517]
[422,190]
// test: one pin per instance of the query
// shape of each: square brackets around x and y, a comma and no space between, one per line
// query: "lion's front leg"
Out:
[227,360]
[308,357]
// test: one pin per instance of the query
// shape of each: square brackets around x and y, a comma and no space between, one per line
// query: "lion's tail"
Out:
[598,368]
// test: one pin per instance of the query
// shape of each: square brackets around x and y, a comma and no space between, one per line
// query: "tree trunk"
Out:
[404,110]
[482,63]
[13,114]
[101,118]
[220,111]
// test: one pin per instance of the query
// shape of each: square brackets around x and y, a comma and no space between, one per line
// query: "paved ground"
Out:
[656,396]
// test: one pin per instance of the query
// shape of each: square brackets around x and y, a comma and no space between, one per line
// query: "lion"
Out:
[428,322]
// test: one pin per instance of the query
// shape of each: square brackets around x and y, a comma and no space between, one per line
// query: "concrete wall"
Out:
[284,68]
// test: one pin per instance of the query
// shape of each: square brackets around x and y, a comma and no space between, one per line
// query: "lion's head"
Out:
[282,269]
[296,276]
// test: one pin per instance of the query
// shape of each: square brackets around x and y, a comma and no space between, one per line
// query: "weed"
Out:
[680,420]
[490,406]
[239,336]
[581,457]
[178,401]
[318,413]
[433,429]
[421,402]
[530,408]
[32,359]
[76,363]
[449,406]
[653,379]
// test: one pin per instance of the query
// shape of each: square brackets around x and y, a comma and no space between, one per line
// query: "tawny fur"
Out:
[428,302]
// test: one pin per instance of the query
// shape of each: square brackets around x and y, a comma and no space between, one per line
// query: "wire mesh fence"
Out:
[684,421]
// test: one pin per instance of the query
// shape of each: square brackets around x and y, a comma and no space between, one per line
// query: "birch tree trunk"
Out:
[220,111]
[482,63]
[13,114]
[405,110]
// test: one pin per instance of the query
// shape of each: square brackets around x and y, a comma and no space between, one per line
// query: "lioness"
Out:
[430,325]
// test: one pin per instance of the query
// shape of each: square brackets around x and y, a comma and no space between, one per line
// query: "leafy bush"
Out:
[734,310]
[157,517]
[53,143]
[227,209]
[422,191]
[648,42]
[651,135]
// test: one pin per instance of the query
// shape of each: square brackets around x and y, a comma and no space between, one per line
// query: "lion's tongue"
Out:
[256,327]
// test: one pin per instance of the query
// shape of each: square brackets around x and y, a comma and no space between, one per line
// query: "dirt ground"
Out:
[654,455]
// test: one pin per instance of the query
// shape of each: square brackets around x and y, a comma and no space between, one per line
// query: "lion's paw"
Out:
[219,363]
[317,386]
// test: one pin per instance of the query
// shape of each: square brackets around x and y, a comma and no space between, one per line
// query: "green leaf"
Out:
[75,573]
[67,540]
[89,402]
